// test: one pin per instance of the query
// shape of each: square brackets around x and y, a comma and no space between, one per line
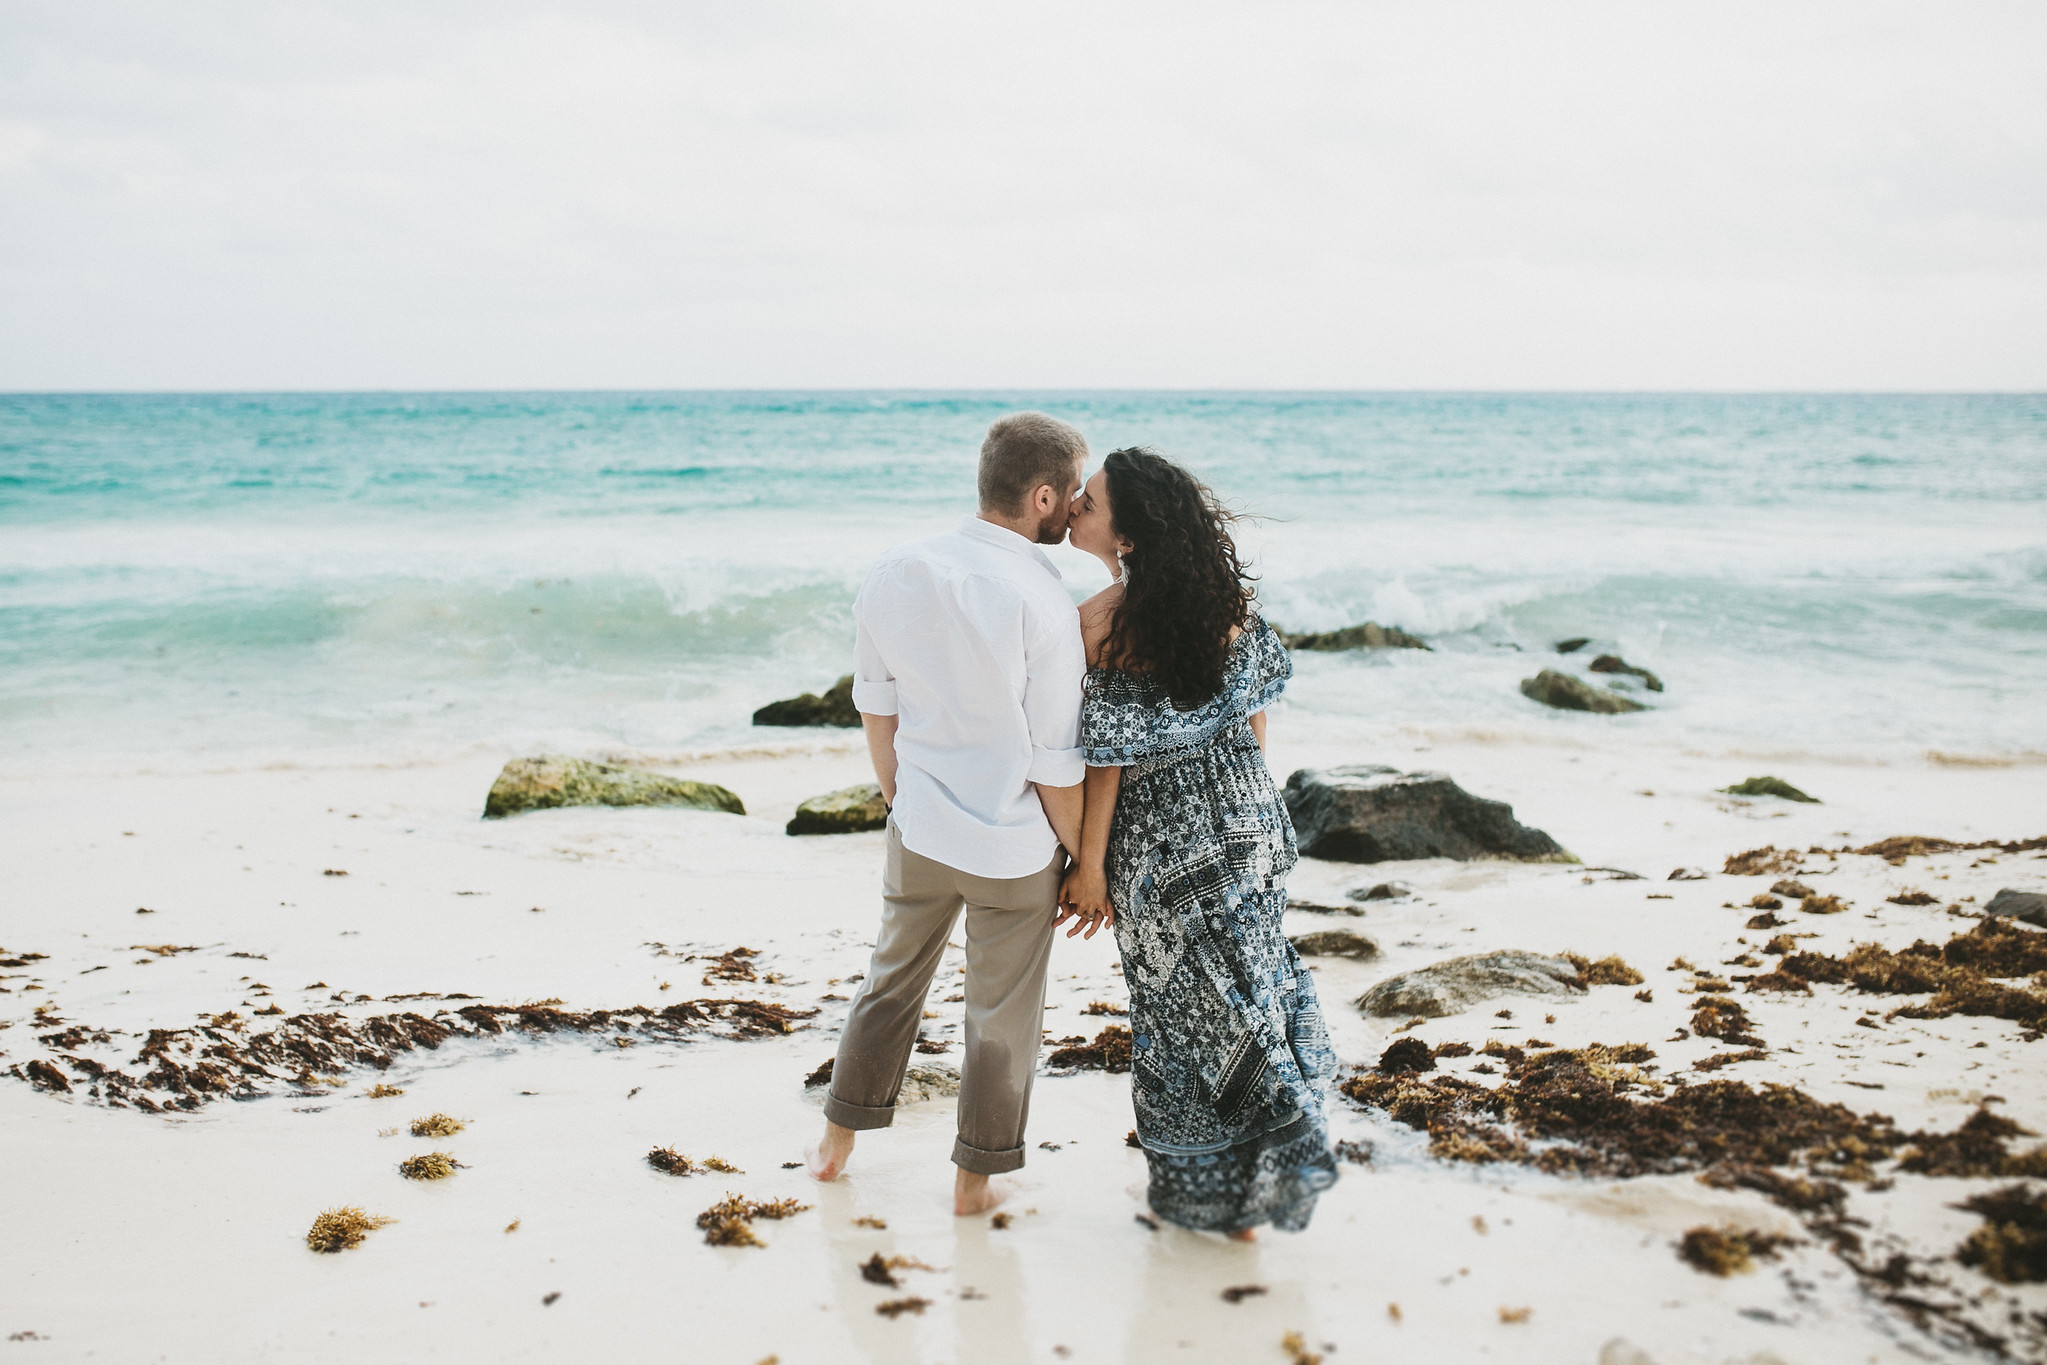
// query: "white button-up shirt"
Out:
[970,640]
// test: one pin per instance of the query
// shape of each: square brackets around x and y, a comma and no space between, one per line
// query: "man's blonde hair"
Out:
[1022,451]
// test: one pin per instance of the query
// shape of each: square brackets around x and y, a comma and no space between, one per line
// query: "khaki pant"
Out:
[1009,939]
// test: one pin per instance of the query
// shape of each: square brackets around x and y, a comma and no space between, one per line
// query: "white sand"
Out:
[136,1237]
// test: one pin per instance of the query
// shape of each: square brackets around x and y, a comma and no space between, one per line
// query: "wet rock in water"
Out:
[849,810]
[1382,891]
[1614,663]
[1404,1055]
[1457,985]
[1369,635]
[1769,786]
[1574,644]
[1567,693]
[2029,906]
[928,1081]
[1335,943]
[1364,813]
[558,780]
[835,707]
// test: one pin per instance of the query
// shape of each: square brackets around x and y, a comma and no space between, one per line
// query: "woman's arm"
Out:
[1258,730]
[1084,898]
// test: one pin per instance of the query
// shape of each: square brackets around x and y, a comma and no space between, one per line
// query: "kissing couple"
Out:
[1104,766]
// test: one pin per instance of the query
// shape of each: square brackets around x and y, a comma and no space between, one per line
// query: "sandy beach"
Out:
[181,1235]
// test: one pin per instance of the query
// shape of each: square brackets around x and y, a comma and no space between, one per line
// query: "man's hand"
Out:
[1084,899]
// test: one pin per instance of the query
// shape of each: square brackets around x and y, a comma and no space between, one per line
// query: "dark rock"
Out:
[1614,663]
[1370,814]
[1567,693]
[1574,644]
[847,811]
[2029,906]
[1370,635]
[1770,786]
[1335,943]
[833,708]
[1456,985]
[558,780]
[1382,891]
[1406,1054]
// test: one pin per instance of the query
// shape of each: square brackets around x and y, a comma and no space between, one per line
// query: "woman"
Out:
[1185,847]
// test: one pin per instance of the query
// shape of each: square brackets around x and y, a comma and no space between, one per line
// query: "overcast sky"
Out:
[417,195]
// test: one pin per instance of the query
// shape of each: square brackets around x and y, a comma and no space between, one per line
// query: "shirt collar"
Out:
[1002,538]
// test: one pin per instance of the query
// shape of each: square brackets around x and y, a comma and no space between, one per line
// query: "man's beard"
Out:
[1052,530]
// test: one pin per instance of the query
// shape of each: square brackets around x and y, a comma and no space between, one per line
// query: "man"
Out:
[967,676]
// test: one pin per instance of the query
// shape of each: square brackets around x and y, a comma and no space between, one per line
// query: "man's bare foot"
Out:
[827,1160]
[972,1193]
[1244,1235]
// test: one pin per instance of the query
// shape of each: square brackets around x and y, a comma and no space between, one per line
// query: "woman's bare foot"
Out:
[972,1193]
[827,1160]
[1244,1235]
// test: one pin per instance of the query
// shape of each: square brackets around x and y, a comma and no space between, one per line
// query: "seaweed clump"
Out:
[1607,971]
[437,1125]
[1407,1055]
[1959,975]
[729,1222]
[1727,1251]
[431,1166]
[1110,1051]
[2011,1246]
[1716,1016]
[1976,1148]
[343,1228]
[1759,862]
[379,1091]
[675,1163]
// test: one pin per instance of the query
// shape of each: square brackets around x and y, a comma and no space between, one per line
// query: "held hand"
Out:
[1084,899]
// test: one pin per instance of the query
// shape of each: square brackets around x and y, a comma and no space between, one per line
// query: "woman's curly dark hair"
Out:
[1185,589]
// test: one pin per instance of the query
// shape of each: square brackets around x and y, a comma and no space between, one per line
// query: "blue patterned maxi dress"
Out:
[1229,1054]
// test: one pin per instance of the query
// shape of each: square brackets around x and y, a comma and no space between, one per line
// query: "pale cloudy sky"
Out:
[208,195]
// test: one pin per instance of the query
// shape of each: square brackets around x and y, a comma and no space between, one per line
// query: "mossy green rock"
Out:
[1567,693]
[1770,786]
[835,707]
[558,780]
[848,811]
[1369,635]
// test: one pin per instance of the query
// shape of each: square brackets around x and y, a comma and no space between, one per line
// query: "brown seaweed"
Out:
[1110,1051]
[339,1229]
[1959,976]
[226,1058]
[1726,1250]
[2011,1246]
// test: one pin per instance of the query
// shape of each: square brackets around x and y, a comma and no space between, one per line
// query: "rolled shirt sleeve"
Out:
[874,687]
[1055,666]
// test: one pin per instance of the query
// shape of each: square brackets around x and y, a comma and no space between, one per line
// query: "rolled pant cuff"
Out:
[986,1163]
[858,1117]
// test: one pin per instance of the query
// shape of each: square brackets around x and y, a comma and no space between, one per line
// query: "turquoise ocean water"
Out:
[190,580]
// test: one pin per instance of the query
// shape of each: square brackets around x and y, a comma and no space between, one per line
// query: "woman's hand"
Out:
[1084,899]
